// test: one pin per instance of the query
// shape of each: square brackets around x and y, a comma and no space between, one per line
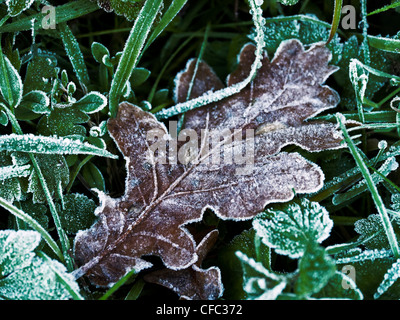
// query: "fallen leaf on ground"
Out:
[162,197]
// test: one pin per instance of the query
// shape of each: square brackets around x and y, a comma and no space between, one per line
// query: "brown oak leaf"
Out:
[162,194]
[193,283]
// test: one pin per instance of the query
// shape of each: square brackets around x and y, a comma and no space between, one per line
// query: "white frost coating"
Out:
[26,276]
[14,171]
[366,255]
[214,96]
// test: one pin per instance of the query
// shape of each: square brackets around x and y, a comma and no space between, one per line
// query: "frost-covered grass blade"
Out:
[49,145]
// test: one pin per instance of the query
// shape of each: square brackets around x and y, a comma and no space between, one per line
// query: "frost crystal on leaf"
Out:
[25,275]
[162,197]
[290,227]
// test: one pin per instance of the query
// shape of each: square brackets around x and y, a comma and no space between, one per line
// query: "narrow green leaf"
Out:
[385,44]
[385,8]
[63,13]
[337,12]
[168,16]
[74,53]
[49,145]
[10,82]
[380,206]
[133,47]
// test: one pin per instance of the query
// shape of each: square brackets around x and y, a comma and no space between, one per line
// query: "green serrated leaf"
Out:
[77,214]
[340,286]
[25,275]
[40,73]
[372,233]
[290,227]
[64,121]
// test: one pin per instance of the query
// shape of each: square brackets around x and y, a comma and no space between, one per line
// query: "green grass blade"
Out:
[34,224]
[49,145]
[385,8]
[371,186]
[337,12]
[132,50]
[74,53]
[63,13]
[385,44]
[167,17]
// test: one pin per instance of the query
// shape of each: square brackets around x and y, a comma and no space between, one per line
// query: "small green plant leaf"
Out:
[99,51]
[10,82]
[290,227]
[315,270]
[25,275]
[139,76]
[77,214]
[91,103]
[93,177]
[15,7]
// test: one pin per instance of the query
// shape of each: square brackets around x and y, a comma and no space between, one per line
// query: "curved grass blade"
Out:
[337,11]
